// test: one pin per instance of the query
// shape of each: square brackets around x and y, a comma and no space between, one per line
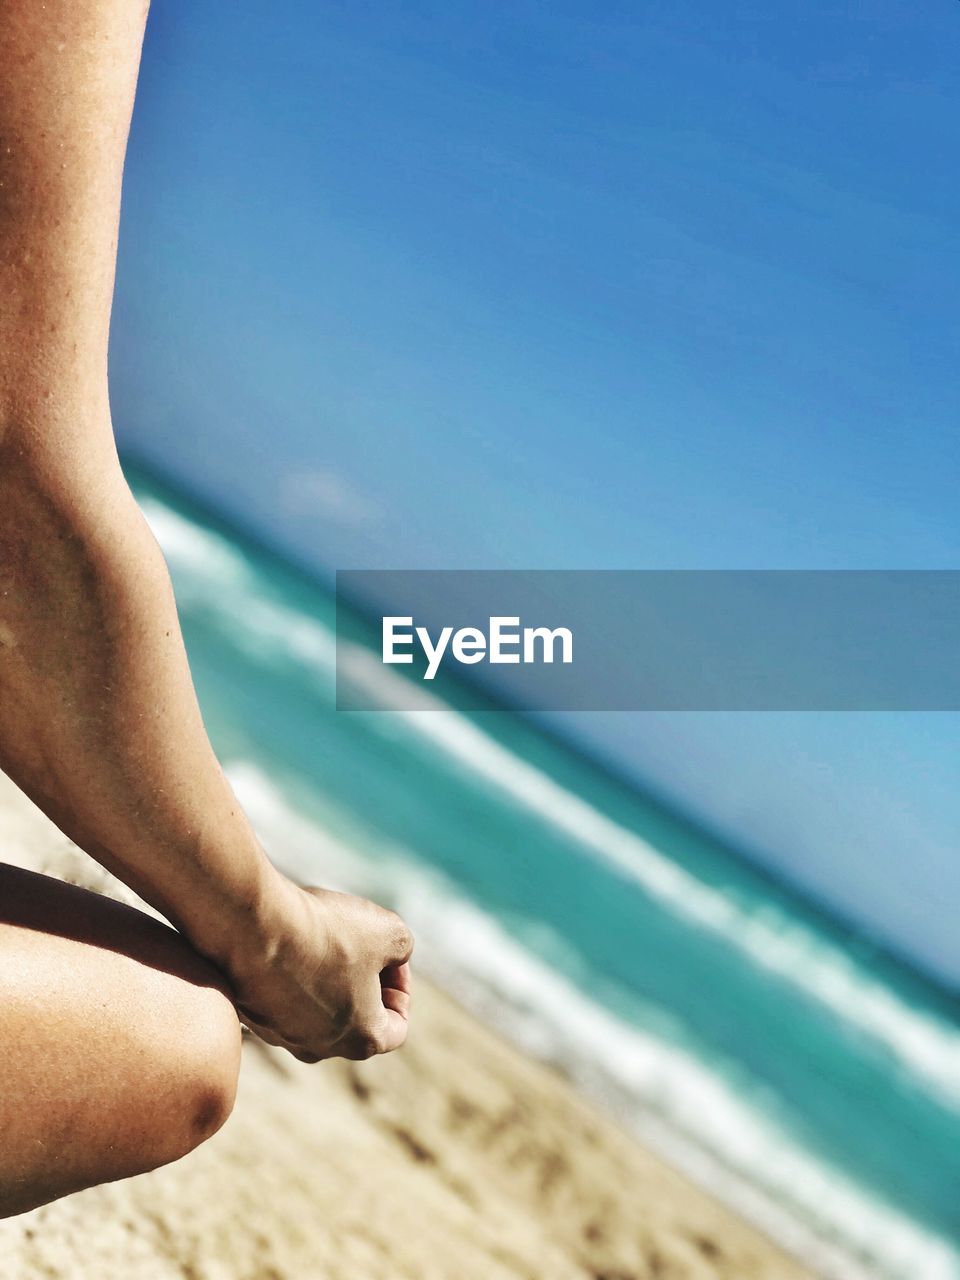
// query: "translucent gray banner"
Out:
[649,640]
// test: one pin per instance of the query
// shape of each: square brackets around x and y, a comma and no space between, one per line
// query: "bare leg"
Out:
[118,1048]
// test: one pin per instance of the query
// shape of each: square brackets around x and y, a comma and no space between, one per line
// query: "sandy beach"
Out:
[454,1158]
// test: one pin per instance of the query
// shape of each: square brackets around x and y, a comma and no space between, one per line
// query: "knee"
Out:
[168,1088]
[199,1081]
[209,1072]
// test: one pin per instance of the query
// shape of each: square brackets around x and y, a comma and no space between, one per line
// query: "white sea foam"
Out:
[211,568]
[213,574]
[208,556]
[696,1115]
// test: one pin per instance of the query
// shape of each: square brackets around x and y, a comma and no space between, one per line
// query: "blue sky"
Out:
[578,285]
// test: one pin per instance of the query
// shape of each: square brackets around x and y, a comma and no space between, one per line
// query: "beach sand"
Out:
[455,1158]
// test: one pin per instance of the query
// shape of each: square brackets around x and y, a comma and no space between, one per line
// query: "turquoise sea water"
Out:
[809,1081]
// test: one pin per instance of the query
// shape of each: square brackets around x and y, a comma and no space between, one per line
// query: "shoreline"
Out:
[457,1156]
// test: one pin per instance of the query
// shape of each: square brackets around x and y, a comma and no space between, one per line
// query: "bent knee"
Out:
[120,1050]
[121,1090]
[183,1086]
[202,1074]
[216,1067]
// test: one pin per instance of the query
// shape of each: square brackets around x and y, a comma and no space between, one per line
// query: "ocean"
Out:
[803,1076]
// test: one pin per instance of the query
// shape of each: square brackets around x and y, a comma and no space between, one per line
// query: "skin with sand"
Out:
[120,1034]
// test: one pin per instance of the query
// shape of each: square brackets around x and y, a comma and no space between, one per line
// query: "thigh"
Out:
[119,1046]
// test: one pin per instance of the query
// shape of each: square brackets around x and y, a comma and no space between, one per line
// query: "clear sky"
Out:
[573,285]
